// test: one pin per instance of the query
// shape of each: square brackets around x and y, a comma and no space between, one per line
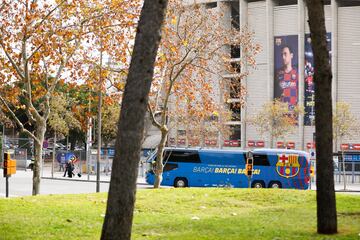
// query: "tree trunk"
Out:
[325,194]
[159,168]
[121,198]
[40,133]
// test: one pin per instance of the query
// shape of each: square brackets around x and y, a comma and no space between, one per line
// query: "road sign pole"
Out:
[7,187]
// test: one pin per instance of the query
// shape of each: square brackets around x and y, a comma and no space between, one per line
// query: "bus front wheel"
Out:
[274,184]
[258,184]
[180,182]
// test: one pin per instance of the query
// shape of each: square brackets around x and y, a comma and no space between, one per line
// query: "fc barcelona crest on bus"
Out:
[288,165]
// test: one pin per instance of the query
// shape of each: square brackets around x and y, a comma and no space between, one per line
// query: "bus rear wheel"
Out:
[180,182]
[258,184]
[274,184]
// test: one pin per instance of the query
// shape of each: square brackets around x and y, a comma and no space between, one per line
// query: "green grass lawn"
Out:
[196,213]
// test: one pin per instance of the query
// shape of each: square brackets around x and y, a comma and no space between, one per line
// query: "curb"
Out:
[82,180]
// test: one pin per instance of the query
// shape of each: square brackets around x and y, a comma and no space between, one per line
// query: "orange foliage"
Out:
[189,84]
[44,44]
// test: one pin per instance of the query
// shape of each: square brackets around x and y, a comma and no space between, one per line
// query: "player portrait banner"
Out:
[309,87]
[286,82]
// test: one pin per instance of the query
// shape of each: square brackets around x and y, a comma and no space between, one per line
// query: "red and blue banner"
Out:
[286,82]
[309,86]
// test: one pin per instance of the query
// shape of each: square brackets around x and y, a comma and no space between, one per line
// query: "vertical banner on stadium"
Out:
[309,91]
[286,82]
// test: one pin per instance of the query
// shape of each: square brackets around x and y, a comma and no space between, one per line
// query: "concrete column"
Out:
[270,54]
[224,11]
[334,56]
[243,12]
[301,51]
[334,48]
[243,9]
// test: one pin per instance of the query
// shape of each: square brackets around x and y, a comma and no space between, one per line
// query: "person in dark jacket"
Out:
[69,168]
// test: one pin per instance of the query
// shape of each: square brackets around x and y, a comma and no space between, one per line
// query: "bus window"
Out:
[170,166]
[183,156]
[261,160]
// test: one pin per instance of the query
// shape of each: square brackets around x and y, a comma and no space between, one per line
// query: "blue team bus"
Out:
[272,168]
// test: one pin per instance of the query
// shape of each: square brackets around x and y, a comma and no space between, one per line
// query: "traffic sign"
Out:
[312,154]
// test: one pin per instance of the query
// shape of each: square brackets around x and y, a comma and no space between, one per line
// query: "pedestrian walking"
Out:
[69,168]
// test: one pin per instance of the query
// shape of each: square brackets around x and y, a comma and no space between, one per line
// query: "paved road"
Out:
[20,184]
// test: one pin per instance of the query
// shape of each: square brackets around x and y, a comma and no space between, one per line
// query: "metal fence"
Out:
[20,149]
[56,164]
[55,168]
[53,165]
[352,172]
[87,166]
[22,160]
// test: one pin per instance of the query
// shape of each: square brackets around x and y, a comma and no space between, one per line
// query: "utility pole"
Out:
[99,123]
[88,145]
[2,142]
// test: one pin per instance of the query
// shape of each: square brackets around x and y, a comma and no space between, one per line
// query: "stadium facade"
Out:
[281,27]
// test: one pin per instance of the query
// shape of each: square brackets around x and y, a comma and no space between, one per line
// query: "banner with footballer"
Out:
[286,82]
[309,87]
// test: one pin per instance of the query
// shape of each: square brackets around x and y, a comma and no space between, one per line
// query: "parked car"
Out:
[58,146]
[24,163]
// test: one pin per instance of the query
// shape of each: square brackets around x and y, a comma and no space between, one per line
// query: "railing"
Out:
[352,172]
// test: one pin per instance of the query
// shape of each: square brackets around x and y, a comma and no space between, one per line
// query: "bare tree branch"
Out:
[34,52]
[152,117]
[48,15]
[23,129]
[15,66]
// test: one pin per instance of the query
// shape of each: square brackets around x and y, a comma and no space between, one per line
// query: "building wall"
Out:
[257,86]
[292,20]
[271,18]
[349,60]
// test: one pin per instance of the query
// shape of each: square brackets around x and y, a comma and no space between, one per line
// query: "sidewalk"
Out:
[85,177]
[339,187]
[20,184]
[104,178]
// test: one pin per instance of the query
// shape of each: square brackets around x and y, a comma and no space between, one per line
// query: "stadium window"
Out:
[235,133]
[235,17]
[349,3]
[182,132]
[235,108]
[286,2]
[236,67]
[211,5]
[235,51]
[235,88]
